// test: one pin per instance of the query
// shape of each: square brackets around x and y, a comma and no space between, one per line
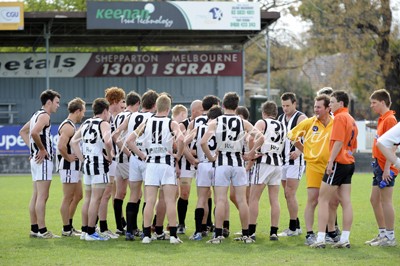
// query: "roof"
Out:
[68,29]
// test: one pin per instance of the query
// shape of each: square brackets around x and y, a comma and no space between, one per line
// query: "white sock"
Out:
[390,234]
[345,236]
[321,237]
[382,232]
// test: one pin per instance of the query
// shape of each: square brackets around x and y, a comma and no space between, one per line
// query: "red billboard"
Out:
[126,64]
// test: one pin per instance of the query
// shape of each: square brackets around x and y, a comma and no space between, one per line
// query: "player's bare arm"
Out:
[105,129]
[296,153]
[66,132]
[131,141]
[42,121]
[187,152]
[75,144]
[116,137]
[257,136]
[337,146]
[179,138]
[24,133]
[206,137]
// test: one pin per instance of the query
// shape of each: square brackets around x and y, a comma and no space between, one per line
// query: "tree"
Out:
[363,29]
[56,5]
[286,60]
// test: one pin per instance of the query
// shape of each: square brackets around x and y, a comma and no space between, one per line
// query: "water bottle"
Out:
[383,183]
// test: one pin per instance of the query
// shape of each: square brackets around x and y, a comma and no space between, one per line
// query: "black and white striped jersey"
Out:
[119,119]
[183,162]
[186,123]
[63,164]
[230,138]
[135,120]
[200,120]
[158,140]
[44,136]
[274,142]
[212,144]
[93,148]
[197,122]
[289,147]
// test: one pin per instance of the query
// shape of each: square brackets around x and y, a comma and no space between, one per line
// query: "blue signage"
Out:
[11,142]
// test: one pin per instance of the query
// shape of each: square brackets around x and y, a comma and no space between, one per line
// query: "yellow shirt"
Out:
[316,142]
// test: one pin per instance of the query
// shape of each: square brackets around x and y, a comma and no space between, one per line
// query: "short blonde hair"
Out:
[179,108]
[163,103]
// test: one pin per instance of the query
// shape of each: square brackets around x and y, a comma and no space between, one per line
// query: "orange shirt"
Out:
[345,130]
[385,122]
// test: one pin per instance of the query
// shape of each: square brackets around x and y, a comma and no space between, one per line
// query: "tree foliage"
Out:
[54,5]
[362,29]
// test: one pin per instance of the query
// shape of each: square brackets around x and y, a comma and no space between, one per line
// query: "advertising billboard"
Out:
[11,16]
[33,65]
[176,15]
[11,142]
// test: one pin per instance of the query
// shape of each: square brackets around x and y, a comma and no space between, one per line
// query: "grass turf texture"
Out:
[16,248]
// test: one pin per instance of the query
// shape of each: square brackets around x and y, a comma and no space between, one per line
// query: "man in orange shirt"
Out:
[339,170]
[381,198]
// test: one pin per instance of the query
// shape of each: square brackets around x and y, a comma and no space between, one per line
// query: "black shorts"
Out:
[342,174]
[378,176]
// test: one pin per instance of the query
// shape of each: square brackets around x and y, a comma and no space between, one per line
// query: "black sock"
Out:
[209,220]
[159,230]
[204,227]
[70,223]
[297,223]
[103,226]
[182,210]
[130,209]
[118,213]
[34,228]
[218,232]
[252,229]
[274,230]
[42,230]
[332,234]
[172,231]
[245,232]
[292,225]
[226,224]
[91,230]
[147,231]
[198,218]
[123,222]
[67,228]
[84,229]
[309,233]
[135,215]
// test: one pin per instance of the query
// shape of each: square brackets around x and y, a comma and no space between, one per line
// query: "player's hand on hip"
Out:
[41,156]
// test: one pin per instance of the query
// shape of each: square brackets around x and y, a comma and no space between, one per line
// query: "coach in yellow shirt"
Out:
[315,132]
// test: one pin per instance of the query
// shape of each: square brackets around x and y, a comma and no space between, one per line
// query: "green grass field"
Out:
[16,248]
